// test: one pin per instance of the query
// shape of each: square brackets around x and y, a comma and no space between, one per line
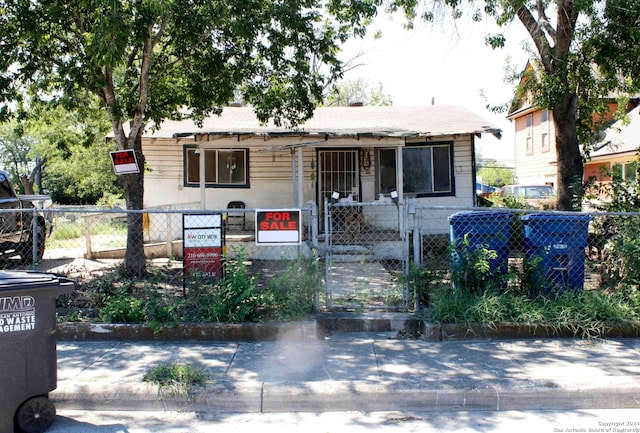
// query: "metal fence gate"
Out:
[365,256]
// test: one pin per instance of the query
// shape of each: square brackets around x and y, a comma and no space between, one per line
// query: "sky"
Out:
[447,64]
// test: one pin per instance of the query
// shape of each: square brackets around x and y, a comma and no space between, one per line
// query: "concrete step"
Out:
[337,322]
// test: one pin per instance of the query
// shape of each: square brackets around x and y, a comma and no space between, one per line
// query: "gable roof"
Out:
[619,137]
[387,121]
[522,101]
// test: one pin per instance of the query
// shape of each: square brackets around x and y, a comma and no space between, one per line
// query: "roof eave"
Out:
[340,134]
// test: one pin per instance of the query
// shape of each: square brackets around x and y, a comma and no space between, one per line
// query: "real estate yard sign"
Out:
[278,227]
[202,244]
[124,161]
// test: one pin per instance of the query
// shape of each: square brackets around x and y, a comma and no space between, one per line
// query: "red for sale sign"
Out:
[124,162]
[278,227]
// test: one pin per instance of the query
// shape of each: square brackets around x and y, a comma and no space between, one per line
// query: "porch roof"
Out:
[388,121]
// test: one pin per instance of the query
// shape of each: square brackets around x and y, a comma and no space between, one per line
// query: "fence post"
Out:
[314,225]
[34,250]
[313,211]
[169,234]
[417,253]
[327,255]
[87,237]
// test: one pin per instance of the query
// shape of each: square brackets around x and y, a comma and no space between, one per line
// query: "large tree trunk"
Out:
[133,184]
[27,184]
[569,158]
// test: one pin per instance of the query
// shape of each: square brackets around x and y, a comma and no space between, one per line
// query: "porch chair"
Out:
[236,219]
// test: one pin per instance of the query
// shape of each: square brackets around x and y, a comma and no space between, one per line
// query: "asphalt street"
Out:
[605,421]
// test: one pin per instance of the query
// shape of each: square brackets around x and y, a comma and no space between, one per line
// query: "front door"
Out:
[338,171]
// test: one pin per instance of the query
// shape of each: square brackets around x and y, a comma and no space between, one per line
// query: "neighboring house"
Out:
[535,140]
[364,153]
[616,150]
[535,150]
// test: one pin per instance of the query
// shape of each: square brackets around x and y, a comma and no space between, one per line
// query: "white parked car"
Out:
[533,195]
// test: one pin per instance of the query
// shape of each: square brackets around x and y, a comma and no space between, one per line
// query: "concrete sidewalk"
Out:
[356,371]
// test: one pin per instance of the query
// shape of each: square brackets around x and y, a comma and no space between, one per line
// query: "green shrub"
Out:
[111,200]
[122,307]
[291,295]
[615,236]
[471,270]
[422,280]
[233,298]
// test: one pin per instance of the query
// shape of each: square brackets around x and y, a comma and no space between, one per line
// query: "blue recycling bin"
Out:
[554,248]
[482,229]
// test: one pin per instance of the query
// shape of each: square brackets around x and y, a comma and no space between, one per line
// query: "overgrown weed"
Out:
[236,297]
[177,378]
[587,314]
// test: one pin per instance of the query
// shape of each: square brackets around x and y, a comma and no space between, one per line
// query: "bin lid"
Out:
[11,280]
[480,214]
[555,217]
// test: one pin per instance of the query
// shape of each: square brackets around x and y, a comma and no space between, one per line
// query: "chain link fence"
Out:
[530,252]
[380,255]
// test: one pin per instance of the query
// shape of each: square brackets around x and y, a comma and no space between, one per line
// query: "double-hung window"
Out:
[222,167]
[529,136]
[544,135]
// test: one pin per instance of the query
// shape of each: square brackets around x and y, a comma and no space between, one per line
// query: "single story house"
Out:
[424,153]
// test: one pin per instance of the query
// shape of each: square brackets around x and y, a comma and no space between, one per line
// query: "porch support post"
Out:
[400,174]
[399,177]
[300,198]
[293,176]
[203,203]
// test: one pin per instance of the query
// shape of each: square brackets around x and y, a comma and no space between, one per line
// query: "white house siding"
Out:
[163,176]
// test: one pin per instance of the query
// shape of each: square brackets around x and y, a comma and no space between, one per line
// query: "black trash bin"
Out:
[554,246]
[28,348]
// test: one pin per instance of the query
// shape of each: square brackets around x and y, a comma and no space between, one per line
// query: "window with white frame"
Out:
[529,140]
[222,167]
[544,135]
[544,116]
[625,171]
[427,169]
[544,142]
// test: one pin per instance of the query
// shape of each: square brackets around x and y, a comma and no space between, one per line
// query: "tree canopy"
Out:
[583,54]
[150,60]
[69,146]
[346,93]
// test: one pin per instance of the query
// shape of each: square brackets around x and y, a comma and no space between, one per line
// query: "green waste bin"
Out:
[28,355]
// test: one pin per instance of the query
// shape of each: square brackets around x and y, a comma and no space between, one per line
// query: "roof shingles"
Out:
[434,120]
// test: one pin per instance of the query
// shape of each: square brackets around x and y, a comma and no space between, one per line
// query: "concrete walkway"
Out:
[355,371]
